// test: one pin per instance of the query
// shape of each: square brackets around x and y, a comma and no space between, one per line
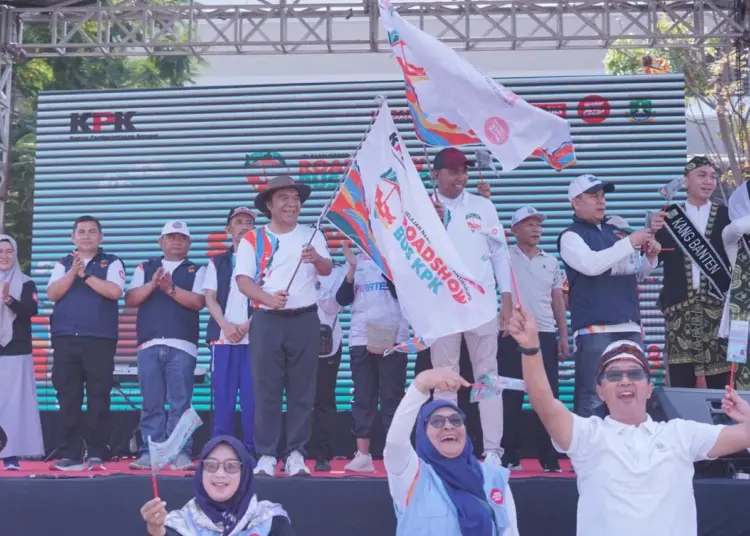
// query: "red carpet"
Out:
[531,468]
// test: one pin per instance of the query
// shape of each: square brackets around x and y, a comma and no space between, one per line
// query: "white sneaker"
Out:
[493,458]
[266,466]
[362,463]
[295,465]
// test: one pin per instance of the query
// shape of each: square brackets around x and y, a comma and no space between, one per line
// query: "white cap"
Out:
[526,212]
[588,184]
[178,227]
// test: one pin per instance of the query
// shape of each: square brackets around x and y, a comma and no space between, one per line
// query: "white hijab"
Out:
[739,202]
[15,279]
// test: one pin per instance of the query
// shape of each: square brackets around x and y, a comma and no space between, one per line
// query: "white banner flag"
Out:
[437,293]
[448,86]
[162,454]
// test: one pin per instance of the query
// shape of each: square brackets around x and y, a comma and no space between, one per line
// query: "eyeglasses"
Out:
[616,375]
[231,467]
[438,421]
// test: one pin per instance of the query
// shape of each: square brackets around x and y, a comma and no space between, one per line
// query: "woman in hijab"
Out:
[442,489]
[19,411]
[225,503]
[736,238]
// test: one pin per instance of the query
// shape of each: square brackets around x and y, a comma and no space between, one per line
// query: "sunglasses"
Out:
[438,421]
[231,467]
[616,375]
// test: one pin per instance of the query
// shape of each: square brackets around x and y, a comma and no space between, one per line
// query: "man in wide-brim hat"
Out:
[285,334]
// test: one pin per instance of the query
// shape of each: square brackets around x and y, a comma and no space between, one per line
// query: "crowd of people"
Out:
[275,298]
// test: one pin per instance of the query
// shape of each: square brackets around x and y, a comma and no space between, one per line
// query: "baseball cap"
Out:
[588,184]
[450,157]
[240,210]
[526,212]
[622,350]
[178,227]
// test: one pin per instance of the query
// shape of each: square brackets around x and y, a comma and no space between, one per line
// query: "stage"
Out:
[39,502]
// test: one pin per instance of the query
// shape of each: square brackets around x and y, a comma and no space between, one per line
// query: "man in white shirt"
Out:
[603,263]
[277,268]
[468,219]
[168,294]
[227,334]
[540,283]
[635,476]
[85,287]
[697,276]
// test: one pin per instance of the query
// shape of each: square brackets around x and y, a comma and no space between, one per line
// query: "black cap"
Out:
[240,210]
[699,161]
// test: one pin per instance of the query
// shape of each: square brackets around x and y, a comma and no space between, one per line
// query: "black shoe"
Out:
[322,465]
[512,463]
[551,466]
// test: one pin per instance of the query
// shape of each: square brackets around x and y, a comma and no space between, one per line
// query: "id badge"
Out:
[738,341]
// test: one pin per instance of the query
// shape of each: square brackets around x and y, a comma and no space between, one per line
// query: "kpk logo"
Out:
[101,122]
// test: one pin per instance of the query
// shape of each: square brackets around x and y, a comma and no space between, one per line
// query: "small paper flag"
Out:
[491,385]
[162,454]
[671,188]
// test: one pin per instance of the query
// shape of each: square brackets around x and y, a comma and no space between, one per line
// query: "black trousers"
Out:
[324,415]
[78,363]
[284,350]
[683,375]
[509,364]
[375,377]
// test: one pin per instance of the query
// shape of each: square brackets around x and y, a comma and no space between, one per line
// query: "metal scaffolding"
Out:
[135,28]
[301,27]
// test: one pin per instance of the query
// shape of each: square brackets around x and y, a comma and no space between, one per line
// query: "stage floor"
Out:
[39,502]
[36,469]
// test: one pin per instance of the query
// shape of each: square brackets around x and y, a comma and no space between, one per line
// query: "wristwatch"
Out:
[528,351]
[172,291]
[85,277]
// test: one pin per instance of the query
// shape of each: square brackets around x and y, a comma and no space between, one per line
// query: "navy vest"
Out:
[160,317]
[603,299]
[224,269]
[82,311]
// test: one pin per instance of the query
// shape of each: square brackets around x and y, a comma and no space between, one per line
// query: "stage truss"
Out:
[264,27]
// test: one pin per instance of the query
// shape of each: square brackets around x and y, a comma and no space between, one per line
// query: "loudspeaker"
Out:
[701,405]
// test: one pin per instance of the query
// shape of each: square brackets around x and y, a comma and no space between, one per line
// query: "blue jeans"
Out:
[589,349]
[165,375]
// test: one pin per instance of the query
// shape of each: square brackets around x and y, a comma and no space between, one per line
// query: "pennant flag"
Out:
[669,190]
[438,295]
[162,454]
[348,213]
[454,103]
[491,386]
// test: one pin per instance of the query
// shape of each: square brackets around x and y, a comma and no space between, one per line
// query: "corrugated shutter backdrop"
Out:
[141,158]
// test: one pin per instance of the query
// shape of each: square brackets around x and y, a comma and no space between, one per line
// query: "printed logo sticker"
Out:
[496,496]
[593,109]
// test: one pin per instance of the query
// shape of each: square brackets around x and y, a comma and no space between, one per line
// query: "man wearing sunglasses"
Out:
[635,476]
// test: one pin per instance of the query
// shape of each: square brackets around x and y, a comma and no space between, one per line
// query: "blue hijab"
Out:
[462,476]
[231,511]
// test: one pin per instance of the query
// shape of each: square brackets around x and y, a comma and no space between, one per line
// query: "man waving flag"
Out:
[454,103]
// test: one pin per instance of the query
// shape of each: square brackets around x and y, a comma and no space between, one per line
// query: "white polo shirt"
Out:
[537,277]
[235,310]
[470,219]
[280,262]
[638,479]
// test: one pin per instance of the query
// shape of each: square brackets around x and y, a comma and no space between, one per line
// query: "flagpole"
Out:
[380,100]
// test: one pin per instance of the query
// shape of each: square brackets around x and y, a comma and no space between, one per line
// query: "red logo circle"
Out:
[654,352]
[496,130]
[593,109]
[496,496]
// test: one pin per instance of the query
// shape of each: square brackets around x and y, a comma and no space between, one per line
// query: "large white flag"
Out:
[444,90]
[437,293]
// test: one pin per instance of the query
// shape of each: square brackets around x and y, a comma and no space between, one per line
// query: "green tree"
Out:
[714,90]
[32,76]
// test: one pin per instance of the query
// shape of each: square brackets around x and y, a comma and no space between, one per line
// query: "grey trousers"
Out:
[285,360]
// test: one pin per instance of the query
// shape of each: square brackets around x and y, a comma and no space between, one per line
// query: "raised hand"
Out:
[349,255]
[5,292]
[310,255]
[522,327]
[640,238]
[484,189]
[439,208]
[154,513]
[443,378]
[735,406]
